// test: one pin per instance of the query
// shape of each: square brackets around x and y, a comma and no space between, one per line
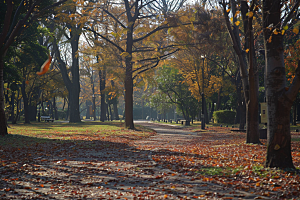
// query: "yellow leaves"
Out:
[285,27]
[296,30]
[277,147]
[247,50]
[192,19]
[114,34]
[125,54]
[228,10]
[249,14]
[237,23]
[276,32]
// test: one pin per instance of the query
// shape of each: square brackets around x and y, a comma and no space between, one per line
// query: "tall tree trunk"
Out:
[12,103]
[249,82]
[74,105]
[55,109]
[241,110]
[143,108]
[102,77]
[111,113]
[25,101]
[129,81]
[252,106]
[294,113]
[107,112]
[72,84]
[205,112]
[87,116]
[3,127]
[116,113]
[219,99]
[32,112]
[279,98]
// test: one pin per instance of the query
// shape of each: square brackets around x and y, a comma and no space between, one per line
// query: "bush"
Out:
[224,116]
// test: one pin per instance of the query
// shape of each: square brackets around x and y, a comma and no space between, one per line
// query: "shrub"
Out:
[224,116]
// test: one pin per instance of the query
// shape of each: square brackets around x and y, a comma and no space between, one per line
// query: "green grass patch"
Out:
[295,139]
[213,171]
[40,132]
[255,170]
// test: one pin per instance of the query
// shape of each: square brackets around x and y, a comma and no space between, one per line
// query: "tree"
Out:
[171,82]
[72,29]
[279,97]
[203,46]
[249,79]
[17,18]
[137,26]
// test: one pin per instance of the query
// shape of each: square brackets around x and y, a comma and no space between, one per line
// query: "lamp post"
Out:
[202,94]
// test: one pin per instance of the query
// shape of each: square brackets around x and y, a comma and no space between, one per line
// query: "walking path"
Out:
[118,171]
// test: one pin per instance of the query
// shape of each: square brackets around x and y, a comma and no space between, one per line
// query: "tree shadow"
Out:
[29,163]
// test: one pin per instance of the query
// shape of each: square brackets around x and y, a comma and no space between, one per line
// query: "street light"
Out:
[202,94]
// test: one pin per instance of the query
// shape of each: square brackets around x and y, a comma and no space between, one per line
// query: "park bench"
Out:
[46,119]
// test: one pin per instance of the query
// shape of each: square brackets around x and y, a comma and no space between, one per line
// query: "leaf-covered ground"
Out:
[96,161]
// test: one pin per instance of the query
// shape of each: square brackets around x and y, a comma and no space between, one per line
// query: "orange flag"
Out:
[45,66]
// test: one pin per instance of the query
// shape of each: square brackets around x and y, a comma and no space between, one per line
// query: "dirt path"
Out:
[112,170]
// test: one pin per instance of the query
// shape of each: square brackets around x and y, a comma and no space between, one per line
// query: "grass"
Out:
[41,132]
[257,170]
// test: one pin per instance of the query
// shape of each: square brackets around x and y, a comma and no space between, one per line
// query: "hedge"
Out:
[224,116]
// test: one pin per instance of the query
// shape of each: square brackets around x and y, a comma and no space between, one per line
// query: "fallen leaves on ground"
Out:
[212,164]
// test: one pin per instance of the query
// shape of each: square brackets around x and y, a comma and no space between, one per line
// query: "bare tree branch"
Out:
[165,26]
[106,39]
[112,16]
[291,14]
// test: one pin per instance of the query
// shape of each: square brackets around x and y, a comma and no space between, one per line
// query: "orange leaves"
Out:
[45,66]
[296,30]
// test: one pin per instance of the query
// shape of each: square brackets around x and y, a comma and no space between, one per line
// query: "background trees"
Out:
[18,16]
[125,41]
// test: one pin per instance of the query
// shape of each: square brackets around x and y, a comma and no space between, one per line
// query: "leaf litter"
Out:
[174,164]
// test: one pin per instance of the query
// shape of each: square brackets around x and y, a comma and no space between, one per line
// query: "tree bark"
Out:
[249,82]
[55,109]
[72,84]
[252,106]
[279,101]
[294,113]
[102,77]
[129,80]
[3,127]
[116,113]
[87,116]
